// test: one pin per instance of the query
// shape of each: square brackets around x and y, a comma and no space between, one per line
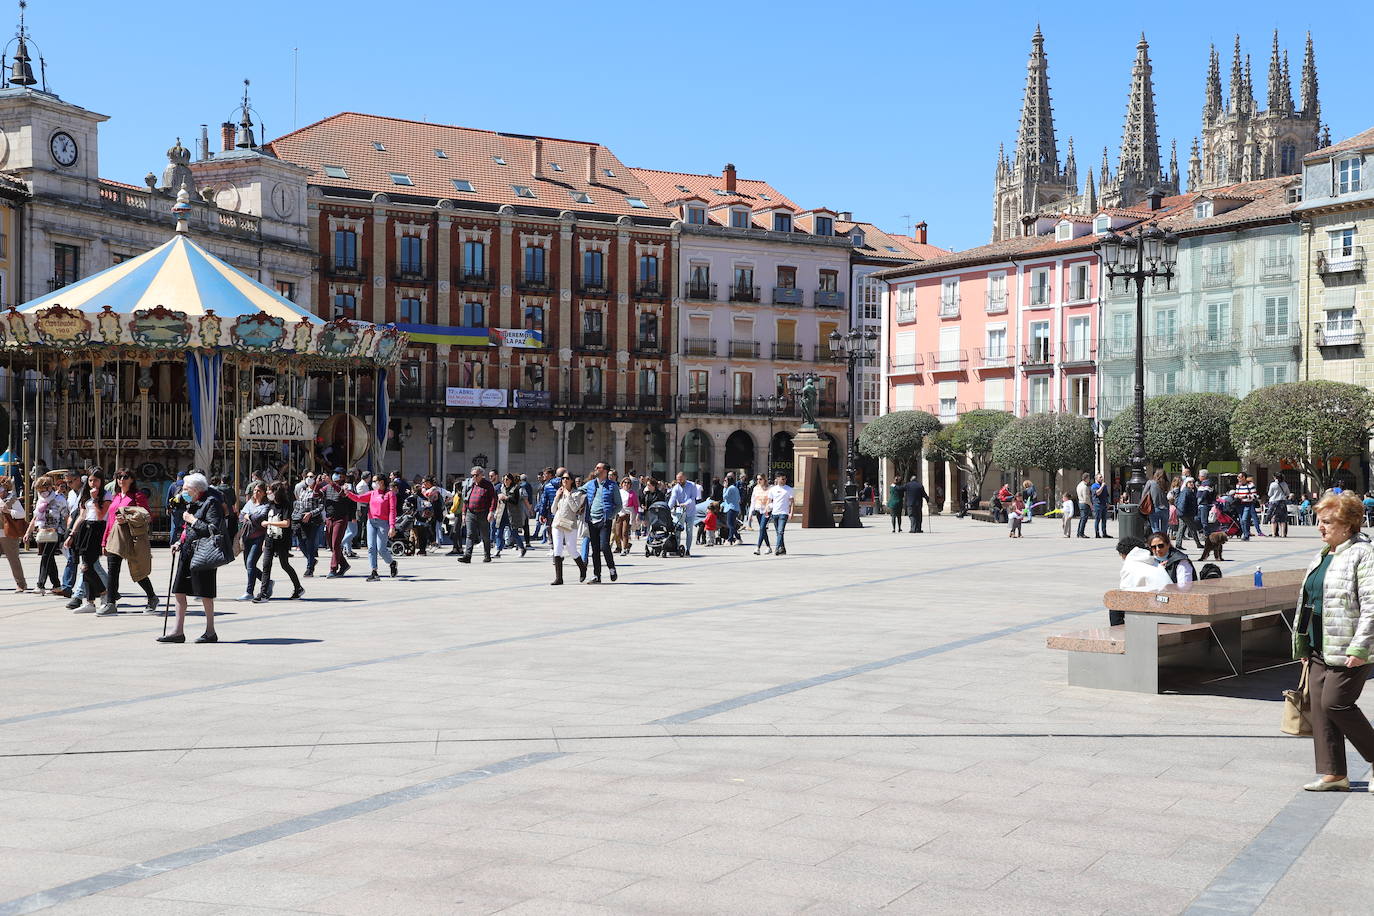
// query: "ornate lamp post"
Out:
[403,435]
[429,439]
[1147,252]
[850,348]
[771,405]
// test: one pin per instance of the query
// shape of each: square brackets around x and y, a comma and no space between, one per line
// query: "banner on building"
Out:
[475,397]
[519,338]
[533,399]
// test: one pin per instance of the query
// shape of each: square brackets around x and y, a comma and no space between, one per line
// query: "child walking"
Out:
[1016,516]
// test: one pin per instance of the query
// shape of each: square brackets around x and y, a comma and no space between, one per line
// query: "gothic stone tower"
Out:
[1241,142]
[1139,169]
[1033,178]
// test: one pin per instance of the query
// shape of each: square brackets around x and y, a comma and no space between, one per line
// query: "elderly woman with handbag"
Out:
[204,518]
[12,518]
[1333,638]
[47,530]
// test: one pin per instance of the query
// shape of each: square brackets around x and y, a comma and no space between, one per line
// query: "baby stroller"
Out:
[1222,520]
[400,543]
[663,530]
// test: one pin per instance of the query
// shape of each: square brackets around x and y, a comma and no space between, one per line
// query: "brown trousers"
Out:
[1335,717]
[10,548]
[620,533]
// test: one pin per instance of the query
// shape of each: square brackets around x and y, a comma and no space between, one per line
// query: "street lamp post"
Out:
[404,435]
[772,405]
[850,348]
[1147,252]
[429,439]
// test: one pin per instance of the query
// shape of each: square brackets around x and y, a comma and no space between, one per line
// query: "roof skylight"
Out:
[684,189]
[440,154]
[499,160]
[609,173]
[378,146]
[401,178]
[335,171]
[720,192]
[555,166]
[893,249]
[636,202]
[580,197]
[461,184]
[523,191]
[765,197]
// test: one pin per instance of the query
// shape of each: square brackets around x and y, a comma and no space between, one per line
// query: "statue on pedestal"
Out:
[809,398]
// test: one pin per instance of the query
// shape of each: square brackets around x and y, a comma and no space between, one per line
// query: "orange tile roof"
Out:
[876,243]
[664,186]
[1359,141]
[346,140]
[1266,201]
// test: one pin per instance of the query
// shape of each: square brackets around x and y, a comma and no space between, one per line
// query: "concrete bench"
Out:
[1210,624]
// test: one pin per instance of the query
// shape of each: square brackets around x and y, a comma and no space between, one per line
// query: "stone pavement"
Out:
[869,724]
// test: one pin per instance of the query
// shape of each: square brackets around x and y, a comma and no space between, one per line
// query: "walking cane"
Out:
[171,577]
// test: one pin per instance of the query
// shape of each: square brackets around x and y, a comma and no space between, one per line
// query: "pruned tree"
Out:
[898,437]
[968,443]
[1051,442]
[1309,424]
[1191,429]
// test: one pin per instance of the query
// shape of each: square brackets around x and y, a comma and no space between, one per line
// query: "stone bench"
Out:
[1210,623]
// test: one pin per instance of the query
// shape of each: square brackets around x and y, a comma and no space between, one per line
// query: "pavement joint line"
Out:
[128,874]
[504,640]
[1241,887]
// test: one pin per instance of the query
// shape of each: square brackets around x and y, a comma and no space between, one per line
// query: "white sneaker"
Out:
[87,608]
[42,592]
[246,596]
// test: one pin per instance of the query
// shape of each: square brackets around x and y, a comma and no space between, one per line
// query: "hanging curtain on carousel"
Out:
[381,420]
[203,372]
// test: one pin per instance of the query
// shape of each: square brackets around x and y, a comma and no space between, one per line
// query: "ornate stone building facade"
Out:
[1240,142]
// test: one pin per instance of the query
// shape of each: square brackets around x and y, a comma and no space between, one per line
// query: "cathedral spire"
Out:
[1237,79]
[1037,157]
[1089,195]
[1140,139]
[1276,97]
[1106,171]
[1194,168]
[1071,167]
[1307,93]
[1211,108]
[1174,176]
[1249,87]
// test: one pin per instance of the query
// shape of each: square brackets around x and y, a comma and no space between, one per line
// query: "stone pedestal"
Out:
[811,462]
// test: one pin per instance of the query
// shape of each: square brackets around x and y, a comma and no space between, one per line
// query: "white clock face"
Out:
[63,148]
[284,201]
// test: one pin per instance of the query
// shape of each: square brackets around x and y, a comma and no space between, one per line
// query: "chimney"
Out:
[921,233]
[537,165]
[204,151]
[1156,198]
[591,165]
[845,216]
[226,135]
[728,174]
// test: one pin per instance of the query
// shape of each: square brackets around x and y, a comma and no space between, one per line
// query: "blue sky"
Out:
[892,111]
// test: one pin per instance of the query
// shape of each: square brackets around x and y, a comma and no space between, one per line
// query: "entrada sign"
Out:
[276,422]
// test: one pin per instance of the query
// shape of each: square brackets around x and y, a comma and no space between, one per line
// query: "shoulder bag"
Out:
[1296,707]
[1147,505]
[213,551]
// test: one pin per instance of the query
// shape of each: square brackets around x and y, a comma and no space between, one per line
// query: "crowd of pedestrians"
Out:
[93,534]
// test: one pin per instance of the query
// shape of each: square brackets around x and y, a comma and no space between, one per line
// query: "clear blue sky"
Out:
[885,110]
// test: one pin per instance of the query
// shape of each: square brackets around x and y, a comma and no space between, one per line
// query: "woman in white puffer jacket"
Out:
[1333,637]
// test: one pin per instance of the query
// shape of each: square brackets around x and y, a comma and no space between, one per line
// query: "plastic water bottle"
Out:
[1259,577]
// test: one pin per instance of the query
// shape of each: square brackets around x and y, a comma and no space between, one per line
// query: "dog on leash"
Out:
[1215,541]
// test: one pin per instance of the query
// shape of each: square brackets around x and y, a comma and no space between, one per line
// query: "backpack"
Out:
[1210,571]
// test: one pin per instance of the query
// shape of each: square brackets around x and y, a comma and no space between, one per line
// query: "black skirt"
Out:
[196,583]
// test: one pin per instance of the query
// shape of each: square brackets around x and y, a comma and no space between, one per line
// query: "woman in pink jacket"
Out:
[381,523]
[126,494]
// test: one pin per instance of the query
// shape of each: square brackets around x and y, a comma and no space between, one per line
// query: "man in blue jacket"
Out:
[543,510]
[603,505]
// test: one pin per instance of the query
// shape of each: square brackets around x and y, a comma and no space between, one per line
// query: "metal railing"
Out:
[744,293]
[1037,353]
[345,267]
[729,405]
[591,341]
[474,278]
[536,279]
[698,346]
[1164,345]
[649,289]
[699,290]
[647,347]
[905,363]
[948,360]
[1279,335]
[949,306]
[787,351]
[822,353]
[1077,352]
[996,302]
[994,358]
[1338,333]
[1217,275]
[410,272]
[593,286]
[829,298]
[1276,267]
[1213,340]
[744,349]
[788,295]
[1078,291]
[1344,259]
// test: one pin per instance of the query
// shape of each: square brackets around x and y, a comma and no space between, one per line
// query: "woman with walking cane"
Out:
[204,518]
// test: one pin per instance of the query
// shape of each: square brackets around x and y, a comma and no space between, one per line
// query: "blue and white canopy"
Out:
[179,275]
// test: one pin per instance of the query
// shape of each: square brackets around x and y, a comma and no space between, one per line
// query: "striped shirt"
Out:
[1245,492]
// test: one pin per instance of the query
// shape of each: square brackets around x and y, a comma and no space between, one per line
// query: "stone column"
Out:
[718,454]
[505,258]
[503,428]
[618,433]
[443,266]
[761,458]
[378,313]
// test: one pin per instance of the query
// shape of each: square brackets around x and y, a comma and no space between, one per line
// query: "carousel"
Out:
[174,359]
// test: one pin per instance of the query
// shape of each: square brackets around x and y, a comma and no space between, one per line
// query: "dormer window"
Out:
[739,218]
[1063,232]
[696,216]
[1102,224]
[825,225]
[782,222]
[1348,175]
[857,236]
[1202,209]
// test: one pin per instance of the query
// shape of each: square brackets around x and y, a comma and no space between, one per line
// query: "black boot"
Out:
[557,571]
[611,567]
[581,569]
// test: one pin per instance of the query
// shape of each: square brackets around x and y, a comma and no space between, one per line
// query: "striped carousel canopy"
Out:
[178,275]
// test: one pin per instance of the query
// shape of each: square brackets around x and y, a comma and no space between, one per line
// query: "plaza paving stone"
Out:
[869,724]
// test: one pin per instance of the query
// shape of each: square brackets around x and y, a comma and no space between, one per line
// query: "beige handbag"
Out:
[1296,704]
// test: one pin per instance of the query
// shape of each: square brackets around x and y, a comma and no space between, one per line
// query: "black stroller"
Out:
[664,530]
[400,543]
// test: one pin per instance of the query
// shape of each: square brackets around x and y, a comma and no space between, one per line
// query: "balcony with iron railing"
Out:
[787,351]
[1079,290]
[704,292]
[57,281]
[1077,353]
[948,360]
[994,358]
[822,353]
[829,298]
[603,402]
[1340,260]
[744,349]
[591,341]
[1037,355]
[788,295]
[906,313]
[648,346]
[594,286]
[728,405]
[1116,348]
[1276,267]
[1216,339]
[905,364]
[1039,297]
[996,301]
[536,280]
[412,272]
[649,289]
[1343,333]
[739,293]
[343,267]
[473,278]
[1217,275]
[949,306]
[1279,335]
[1164,346]
[698,346]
